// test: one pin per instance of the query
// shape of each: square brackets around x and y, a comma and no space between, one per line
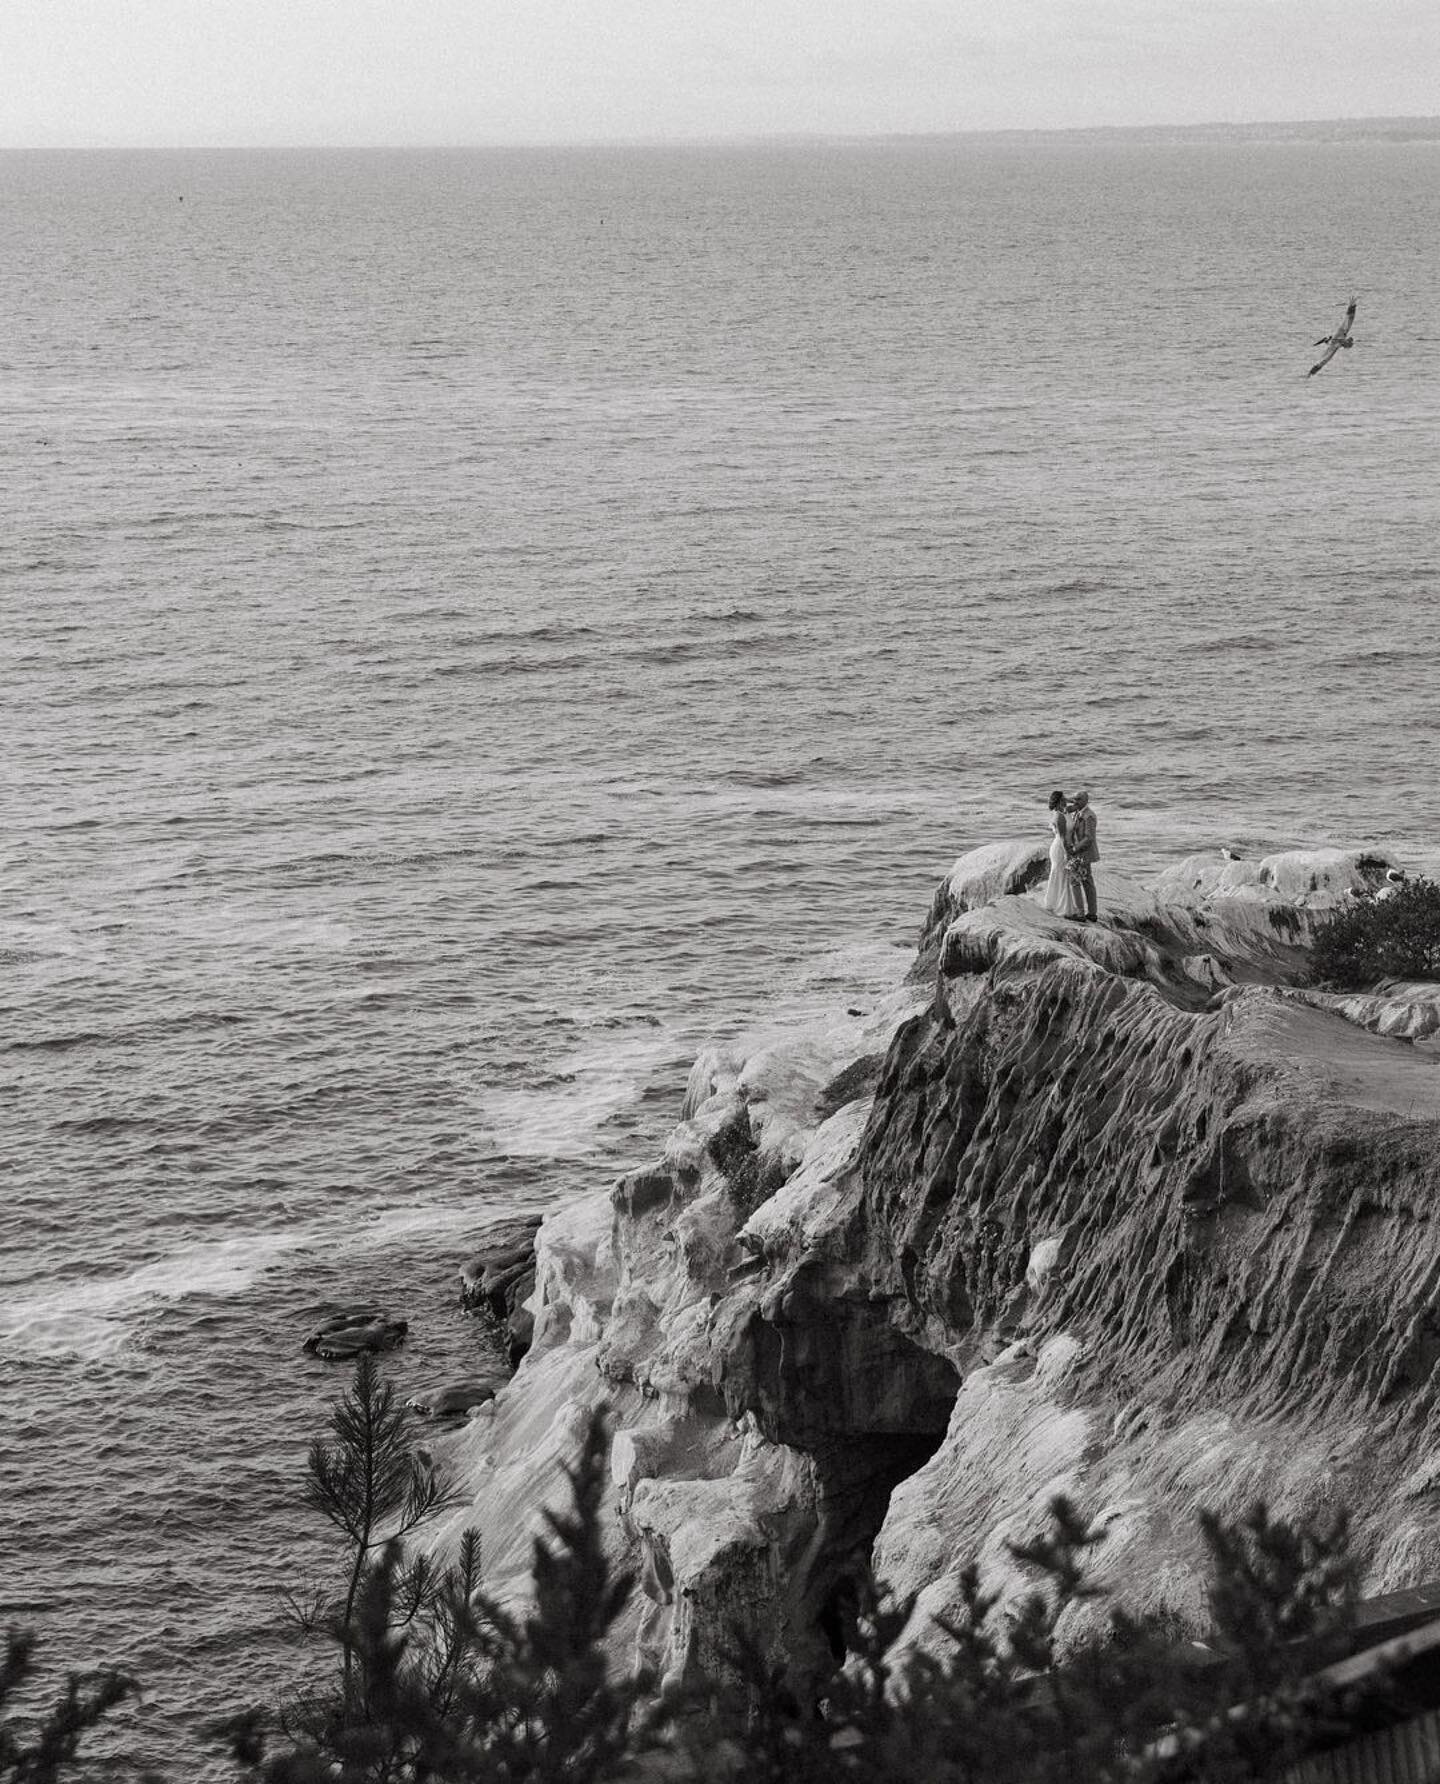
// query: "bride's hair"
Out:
[1057,799]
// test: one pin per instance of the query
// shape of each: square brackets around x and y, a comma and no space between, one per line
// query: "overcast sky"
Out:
[479,71]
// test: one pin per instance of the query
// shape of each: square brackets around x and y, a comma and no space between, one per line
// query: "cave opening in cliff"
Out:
[853,1505]
[857,1472]
[835,1376]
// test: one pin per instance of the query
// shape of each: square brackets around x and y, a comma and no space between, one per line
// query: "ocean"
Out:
[478,625]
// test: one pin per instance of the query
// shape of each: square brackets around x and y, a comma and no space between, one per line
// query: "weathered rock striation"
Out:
[1118,1210]
[499,1280]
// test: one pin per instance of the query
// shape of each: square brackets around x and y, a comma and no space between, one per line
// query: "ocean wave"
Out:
[90,1319]
[546,632]
[1241,641]
[551,1124]
[559,1115]
[95,1318]
[512,665]
[250,931]
[57,1043]
[1380,657]
[102,1124]
[24,943]
[764,777]
[678,650]
[159,1028]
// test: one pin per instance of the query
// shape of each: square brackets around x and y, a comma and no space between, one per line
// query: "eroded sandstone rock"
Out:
[1122,1210]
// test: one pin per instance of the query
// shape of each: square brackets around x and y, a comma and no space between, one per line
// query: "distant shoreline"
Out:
[1404,129]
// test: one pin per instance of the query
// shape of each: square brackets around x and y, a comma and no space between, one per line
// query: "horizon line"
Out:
[732,139]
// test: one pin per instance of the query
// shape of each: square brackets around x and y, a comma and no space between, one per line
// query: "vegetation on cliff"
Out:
[1394,937]
[436,1680]
[39,1746]
[438,1683]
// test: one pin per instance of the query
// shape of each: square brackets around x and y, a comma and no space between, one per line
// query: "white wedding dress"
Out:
[1063,895]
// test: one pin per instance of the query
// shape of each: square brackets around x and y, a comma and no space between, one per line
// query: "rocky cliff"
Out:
[1118,1210]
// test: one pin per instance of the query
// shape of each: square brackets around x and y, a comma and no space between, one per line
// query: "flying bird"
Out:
[1333,343]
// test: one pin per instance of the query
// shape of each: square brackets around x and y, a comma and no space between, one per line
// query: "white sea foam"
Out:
[50,1329]
[94,1319]
[557,1122]
[608,1072]
[263,931]
[868,968]
[46,941]
[387,1225]
[590,1083]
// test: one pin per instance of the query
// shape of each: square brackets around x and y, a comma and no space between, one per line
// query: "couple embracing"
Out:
[1073,854]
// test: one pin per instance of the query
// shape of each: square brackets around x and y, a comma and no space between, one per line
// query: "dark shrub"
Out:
[438,1683]
[1394,937]
[42,1747]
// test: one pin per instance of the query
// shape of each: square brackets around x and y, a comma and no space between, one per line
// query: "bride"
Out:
[1062,892]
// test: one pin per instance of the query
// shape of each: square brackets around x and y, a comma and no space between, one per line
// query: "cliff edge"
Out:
[1122,1210]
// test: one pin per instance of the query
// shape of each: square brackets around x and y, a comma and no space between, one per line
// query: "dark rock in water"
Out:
[456,1398]
[500,1278]
[343,1335]
[505,1253]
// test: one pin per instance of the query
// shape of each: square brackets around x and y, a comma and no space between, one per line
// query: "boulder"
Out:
[1306,878]
[979,877]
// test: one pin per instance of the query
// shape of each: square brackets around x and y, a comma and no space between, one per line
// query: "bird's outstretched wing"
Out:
[1332,341]
[1325,357]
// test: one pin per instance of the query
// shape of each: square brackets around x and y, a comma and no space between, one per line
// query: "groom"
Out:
[1083,850]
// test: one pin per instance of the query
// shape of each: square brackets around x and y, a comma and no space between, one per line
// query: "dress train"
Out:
[1063,895]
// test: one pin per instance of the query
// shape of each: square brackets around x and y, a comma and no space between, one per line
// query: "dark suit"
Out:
[1084,852]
